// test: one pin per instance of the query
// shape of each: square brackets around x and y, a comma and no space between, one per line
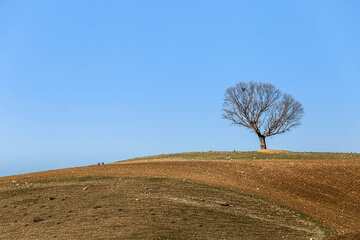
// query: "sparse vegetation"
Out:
[321,185]
[146,208]
[215,155]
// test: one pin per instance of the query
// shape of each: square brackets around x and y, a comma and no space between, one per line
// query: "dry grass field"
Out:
[209,195]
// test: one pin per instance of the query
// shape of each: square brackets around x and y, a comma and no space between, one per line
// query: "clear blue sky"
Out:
[88,81]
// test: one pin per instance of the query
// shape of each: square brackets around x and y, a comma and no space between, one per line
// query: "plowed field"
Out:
[325,189]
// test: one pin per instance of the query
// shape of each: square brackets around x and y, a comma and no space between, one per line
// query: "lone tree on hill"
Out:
[262,108]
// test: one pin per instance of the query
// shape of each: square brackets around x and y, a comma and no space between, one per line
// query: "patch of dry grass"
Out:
[262,154]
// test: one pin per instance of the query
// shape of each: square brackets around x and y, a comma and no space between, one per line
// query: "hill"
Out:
[325,186]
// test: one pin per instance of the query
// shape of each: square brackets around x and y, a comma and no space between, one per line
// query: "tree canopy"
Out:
[262,108]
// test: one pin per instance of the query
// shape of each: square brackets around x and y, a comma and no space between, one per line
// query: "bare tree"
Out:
[262,108]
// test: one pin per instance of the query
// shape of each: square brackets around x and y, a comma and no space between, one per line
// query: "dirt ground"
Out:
[143,208]
[273,151]
[328,190]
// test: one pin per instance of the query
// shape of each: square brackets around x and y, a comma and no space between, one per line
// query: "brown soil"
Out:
[143,208]
[328,190]
[351,236]
[273,151]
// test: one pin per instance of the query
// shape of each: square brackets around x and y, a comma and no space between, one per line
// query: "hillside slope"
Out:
[144,208]
[324,186]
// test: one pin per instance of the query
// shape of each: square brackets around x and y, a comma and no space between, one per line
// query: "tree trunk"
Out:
[262,142]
